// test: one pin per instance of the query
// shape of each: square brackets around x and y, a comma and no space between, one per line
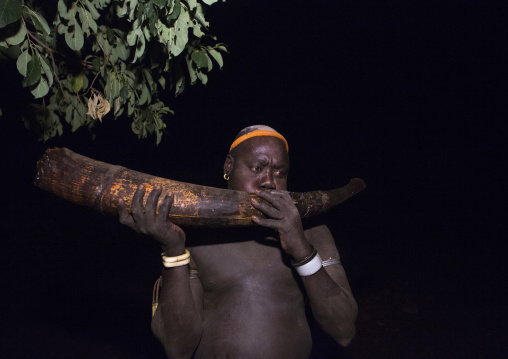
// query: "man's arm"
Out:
[331,300]
[177,322]
[330,296]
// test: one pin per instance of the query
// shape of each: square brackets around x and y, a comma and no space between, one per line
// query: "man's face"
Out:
[261,163]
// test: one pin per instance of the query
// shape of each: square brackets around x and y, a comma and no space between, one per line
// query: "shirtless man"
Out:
[247,299]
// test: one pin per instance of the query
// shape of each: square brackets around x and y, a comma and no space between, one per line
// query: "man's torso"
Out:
[253,306]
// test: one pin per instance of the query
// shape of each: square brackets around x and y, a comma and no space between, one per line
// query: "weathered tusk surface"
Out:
[98,185]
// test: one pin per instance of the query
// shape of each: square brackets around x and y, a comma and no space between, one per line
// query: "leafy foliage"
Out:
[107,57]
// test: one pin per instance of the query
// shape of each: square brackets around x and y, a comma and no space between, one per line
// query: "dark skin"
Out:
[247,302]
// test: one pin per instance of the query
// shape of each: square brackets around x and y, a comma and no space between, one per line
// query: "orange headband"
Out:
[258,133]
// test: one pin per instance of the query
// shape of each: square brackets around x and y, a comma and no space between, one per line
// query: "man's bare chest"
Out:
[243,264]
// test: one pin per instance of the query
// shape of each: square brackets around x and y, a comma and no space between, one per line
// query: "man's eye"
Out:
[255,168]
[280,173]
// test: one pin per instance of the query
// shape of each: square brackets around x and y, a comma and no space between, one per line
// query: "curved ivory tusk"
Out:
[98,185]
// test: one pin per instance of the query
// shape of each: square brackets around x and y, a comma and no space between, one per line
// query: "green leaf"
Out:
[86,20]
[199,58]
[192,70]
[217,56]
[59,127]
[93,11]
[149,79]
[22,61]
[68,114]
[122,50]
[202,77]
[74,37]
[134,128]
[62,9]
[210,2]
[106,46]
[159,137]
[145,95]
[81,111]
[196,28]
[10,11]
[162,81]
[164,33]
[76,121]
[77,83]
[150,11]
[97,63]
[160,3]
[192,4]
[47,71]
[110,36]
[132,36]
[41,89]
[177,8]
[181,34]
[113,87]
[130,105]
[39,22]
[65,12]
[124,93]
[16,35]
[33,72]
[140,47]
[180,79]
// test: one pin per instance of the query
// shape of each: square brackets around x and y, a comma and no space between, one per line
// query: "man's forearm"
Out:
[333,306]
[180,325]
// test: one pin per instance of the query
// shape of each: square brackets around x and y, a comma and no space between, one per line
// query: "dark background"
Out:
[409,96]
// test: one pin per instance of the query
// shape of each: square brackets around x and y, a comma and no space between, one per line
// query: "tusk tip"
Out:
[356,185]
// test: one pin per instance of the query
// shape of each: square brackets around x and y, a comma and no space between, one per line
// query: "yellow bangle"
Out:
[176,264]
[175,259]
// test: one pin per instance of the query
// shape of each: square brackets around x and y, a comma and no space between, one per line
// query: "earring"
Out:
[226,177]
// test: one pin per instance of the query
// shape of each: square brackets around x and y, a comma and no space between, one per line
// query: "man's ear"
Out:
[228,164]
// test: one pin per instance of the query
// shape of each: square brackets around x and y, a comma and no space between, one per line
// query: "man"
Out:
[242,294]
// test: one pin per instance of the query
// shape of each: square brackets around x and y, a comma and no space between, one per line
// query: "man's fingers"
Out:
[123,214]
[267,209]
[166,205]
[137,208]
[277,198]
[265,222]
[151,202]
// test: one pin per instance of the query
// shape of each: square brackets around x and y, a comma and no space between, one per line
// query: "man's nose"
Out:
[267,181]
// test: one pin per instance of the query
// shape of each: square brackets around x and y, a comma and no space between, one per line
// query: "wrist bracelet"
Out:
[311,267]
[177,258]
[306,259]
[181,260]
[176,264]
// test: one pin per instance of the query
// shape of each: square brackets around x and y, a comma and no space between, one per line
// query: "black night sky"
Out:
[409,96]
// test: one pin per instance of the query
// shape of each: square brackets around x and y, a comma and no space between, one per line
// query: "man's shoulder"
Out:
[322,239]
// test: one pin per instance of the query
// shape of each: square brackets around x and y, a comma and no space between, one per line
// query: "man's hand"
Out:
[146,220]
[285,218]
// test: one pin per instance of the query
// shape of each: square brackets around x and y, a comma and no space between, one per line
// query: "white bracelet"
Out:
[181,260]
[310,267]
[175,259]
[176,264]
